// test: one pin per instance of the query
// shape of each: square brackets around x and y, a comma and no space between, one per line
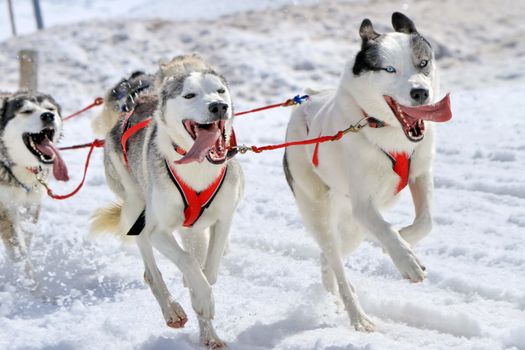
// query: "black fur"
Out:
[368,58]
[403,24]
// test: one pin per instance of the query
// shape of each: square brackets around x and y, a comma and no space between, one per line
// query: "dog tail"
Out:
[105,121]
[106,221]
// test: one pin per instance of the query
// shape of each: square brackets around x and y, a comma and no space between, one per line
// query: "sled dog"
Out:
[176,184]
[30,126]
[341,187]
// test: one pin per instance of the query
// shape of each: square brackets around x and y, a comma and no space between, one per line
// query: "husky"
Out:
[30,126]
[340,187]
[176,184]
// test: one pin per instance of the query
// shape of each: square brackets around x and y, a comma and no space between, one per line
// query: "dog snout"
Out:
[419,96]
[218,109]
[47,117]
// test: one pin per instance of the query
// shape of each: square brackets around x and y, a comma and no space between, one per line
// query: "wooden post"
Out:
[11,17]
[28,70]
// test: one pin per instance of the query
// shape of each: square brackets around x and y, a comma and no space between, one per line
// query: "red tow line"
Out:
[92,145]
[242,149]
[98,101]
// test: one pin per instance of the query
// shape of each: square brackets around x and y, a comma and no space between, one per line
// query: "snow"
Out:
[269,294]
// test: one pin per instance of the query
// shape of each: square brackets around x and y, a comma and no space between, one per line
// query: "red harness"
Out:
[401,166]
[195,203]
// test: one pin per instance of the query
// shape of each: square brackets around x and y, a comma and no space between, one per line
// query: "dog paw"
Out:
[362,323]
[175,315]
[215,343]
[202,302]
[409,265]
[208,337]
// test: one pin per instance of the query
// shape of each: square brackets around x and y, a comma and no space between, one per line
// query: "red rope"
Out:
[283,104]
[98,101]
[95,144]
[317,140]
[290,102]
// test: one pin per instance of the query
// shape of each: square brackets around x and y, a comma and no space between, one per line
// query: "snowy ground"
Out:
[269,294]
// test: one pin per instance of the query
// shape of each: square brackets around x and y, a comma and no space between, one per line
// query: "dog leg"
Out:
[319,213]
[173,313]
[218,240]
[15,246]
[200,289]
[328,276]
[421,190]
[196,243]
[399,250]
[208,336]
[331,252]
[31,214]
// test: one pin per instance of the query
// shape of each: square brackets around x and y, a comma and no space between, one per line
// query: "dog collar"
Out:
[34,170]
[372,121]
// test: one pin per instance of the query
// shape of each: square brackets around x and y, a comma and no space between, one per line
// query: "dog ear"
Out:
[403,24]
[366,31]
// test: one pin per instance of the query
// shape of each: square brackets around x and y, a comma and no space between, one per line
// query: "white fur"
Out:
[341,199]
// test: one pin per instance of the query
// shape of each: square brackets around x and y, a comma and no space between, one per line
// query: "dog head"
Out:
[31,124]
[123,97]
[394,76]
[196,108]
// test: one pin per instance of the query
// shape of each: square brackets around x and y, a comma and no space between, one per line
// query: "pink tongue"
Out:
[59,167]
[206,139]
[438,112]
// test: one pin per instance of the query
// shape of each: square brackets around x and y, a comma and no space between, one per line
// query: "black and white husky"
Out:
[340,187]
[174,177]
[30,125]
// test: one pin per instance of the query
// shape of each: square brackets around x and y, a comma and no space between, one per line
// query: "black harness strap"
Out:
[139,225]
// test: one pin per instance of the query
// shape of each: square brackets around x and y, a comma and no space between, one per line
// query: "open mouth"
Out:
[412,118]
[42,147]
[209,142]
[34,143]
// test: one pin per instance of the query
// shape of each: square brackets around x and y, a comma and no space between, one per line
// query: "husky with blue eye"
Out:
[30,126]
[341,187]
[176,182]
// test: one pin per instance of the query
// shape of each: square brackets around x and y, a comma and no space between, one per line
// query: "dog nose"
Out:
[47,117]
[218,109]
[420,96]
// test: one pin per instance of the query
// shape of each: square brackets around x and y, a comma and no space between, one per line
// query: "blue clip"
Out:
[300,99]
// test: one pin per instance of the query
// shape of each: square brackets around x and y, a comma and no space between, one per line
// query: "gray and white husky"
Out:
[392,83]
[30,125]
[192,111]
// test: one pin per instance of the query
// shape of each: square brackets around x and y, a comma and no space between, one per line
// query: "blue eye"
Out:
[390,69]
